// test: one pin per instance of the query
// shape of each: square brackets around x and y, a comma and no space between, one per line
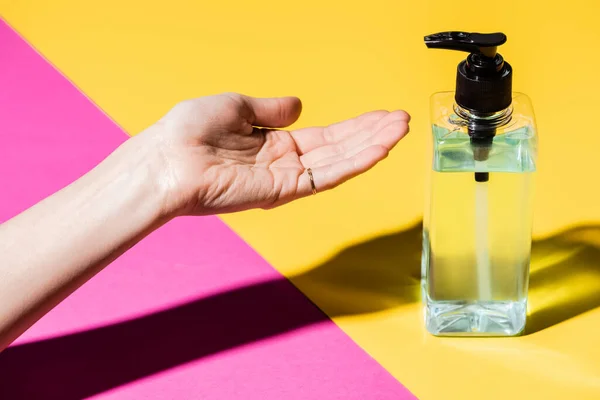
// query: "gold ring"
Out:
[312,181]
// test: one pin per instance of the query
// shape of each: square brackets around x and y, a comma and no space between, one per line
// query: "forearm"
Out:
[51,249]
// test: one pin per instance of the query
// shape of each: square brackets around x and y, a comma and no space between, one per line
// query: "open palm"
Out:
[220,161]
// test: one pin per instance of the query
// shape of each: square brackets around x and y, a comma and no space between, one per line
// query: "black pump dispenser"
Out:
[484,79]
[483,85]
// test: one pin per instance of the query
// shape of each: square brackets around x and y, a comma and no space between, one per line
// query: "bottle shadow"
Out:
[385,272]
[564,277]
[372,276]
[367,277]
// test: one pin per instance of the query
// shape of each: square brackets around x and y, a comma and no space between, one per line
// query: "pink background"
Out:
[190,312]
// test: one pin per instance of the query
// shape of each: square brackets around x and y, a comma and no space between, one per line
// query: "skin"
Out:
[205,156]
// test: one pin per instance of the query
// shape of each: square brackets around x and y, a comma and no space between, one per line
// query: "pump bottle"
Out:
[478,214]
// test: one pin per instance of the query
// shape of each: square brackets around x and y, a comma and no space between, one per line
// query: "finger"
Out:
[276,112]
[386,131]
[329,176]
[388,137]
[369,120]
[308,139]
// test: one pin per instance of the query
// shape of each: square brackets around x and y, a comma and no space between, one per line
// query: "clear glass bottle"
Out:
[478,217]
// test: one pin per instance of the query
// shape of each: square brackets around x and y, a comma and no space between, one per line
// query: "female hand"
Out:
[215,159]
[205,156]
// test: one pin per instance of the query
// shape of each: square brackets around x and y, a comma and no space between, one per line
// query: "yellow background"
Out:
[136,59]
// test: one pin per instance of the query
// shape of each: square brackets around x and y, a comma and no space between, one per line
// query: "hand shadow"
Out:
[372,276]
[83,364]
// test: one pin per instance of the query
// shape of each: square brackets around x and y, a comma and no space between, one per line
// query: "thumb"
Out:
[275,112]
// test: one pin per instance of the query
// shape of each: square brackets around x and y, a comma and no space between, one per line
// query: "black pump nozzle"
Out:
[482,43]
[484,79]
[483,84]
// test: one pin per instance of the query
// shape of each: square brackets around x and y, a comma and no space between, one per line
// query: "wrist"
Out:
[137,168]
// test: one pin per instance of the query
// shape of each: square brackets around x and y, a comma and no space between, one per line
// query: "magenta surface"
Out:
[191,312]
